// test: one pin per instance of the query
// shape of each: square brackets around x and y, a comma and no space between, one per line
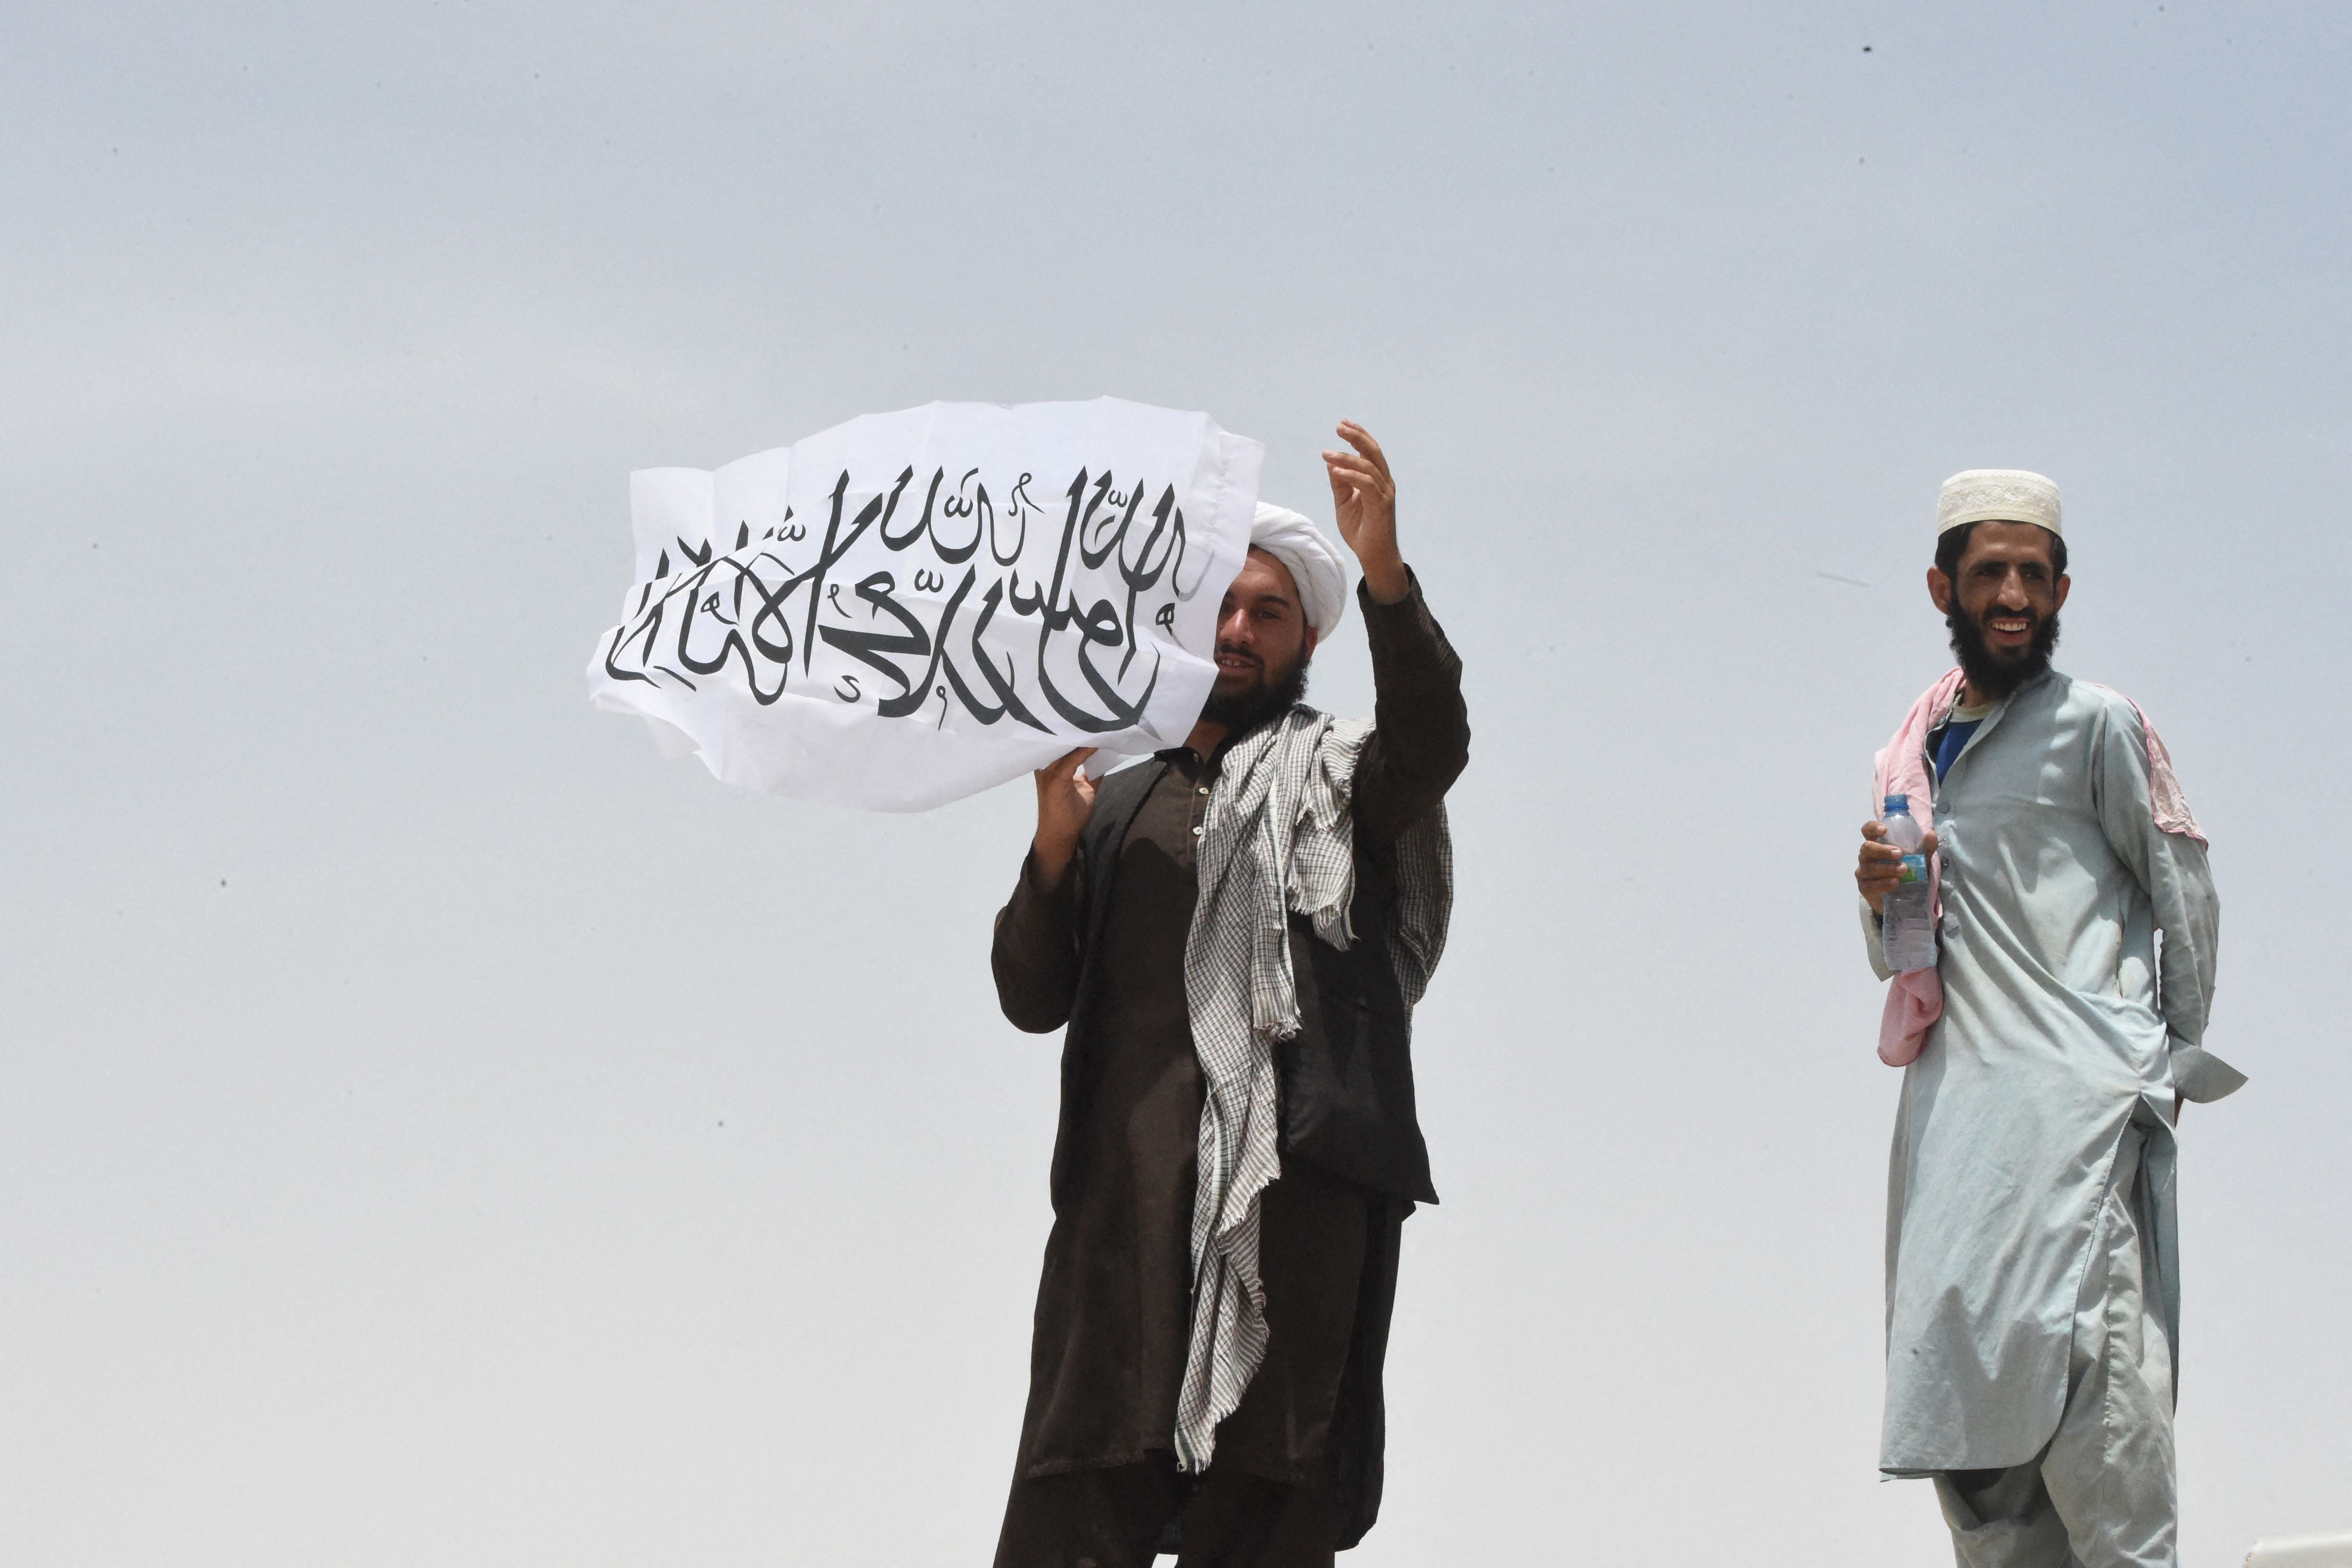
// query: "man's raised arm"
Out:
[1421,734]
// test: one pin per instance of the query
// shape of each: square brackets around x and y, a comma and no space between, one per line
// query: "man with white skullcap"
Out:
[2032,1300]
[1235,933]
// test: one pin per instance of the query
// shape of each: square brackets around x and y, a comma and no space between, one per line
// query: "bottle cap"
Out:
[1901,803]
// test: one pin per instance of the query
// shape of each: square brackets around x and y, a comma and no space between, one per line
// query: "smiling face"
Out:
[1263,643]
[2001,600]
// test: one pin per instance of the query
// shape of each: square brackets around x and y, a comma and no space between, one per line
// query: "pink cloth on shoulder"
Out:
[1915,1000]
[2163,795]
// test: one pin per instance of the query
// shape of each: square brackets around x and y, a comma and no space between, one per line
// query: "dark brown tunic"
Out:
[1113,1306]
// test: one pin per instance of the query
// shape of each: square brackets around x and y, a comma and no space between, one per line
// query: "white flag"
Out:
[914,607]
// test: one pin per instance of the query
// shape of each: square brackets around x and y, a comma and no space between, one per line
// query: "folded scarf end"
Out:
[1914,1000]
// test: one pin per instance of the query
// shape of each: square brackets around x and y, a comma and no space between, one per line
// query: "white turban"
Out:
[1314,566]
[1997,495]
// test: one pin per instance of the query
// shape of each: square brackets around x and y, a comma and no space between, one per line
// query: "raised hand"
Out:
[1363,500]
[1066,797]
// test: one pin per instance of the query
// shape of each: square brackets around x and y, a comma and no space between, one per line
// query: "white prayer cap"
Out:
[1314,566]
[1997,495]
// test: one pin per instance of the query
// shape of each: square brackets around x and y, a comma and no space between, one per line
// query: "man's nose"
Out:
[1235,628]
[2012,591]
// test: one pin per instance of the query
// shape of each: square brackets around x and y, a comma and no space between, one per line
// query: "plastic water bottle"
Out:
[1908,931]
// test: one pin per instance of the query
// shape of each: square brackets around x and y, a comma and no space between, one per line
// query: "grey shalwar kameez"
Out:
[2033,1294]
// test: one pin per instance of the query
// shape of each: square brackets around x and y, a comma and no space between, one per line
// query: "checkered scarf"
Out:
[1278,837]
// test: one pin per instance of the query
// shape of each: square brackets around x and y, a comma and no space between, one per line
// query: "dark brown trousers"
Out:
[1124,1515]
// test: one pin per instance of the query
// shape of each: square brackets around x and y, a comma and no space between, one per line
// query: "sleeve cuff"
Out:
[1406,608]
[2200,1077]
[1040,907]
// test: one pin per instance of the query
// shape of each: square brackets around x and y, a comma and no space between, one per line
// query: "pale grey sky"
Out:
[435,1131]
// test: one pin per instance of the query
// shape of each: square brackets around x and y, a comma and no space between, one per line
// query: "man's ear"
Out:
[1940,588]
[2063,584]
[1307,648]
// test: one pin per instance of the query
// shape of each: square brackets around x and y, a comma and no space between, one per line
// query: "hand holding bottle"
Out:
[1880,869]
[1907,909]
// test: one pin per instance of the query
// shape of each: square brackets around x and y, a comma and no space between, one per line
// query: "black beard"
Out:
[1993,674]
[1245,709]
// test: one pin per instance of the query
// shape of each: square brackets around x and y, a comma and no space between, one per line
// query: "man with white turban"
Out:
[2033,1297]
[1235,933]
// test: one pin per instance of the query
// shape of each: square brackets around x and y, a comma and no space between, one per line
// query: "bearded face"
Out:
[1263,644]
[2000,603]
[1247,697]
[2001,649]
